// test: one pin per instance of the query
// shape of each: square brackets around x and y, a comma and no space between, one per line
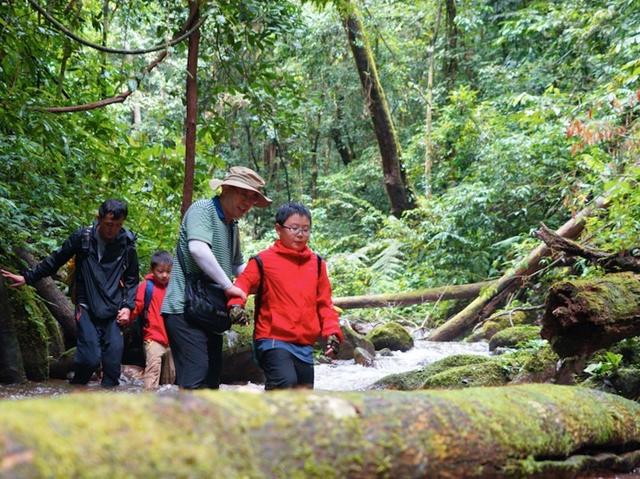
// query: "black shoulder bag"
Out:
[205,304]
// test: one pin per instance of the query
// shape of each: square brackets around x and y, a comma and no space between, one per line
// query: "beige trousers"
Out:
[159,365]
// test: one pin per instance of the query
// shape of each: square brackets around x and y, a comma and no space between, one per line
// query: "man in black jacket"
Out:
[106,279]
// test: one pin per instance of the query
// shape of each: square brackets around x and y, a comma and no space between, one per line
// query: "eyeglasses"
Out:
[297,229]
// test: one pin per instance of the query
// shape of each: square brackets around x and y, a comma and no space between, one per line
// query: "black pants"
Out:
[197,354]
[283,370]
[99,342]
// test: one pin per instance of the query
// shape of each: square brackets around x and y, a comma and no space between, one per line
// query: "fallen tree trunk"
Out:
[515,431]
[582,316]
[612,262]
[486,303]
[57,302]
[463,291]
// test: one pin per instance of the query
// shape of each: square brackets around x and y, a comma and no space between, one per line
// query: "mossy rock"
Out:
[38,333]
[412,380]
[538,366]
[390,335]
[353,340]
[487,373]
[499,322]
[510,337]
[238,364]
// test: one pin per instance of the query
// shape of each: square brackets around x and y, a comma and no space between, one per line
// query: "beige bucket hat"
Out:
[245,178]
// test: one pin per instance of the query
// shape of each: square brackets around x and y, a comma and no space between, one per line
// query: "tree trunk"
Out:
[11,365]
[582,316]
[451,61]
[428,140]
[192,113]
[511,281]
[503,432]
[57,302]
[395,181]
[464,291]
[611,262]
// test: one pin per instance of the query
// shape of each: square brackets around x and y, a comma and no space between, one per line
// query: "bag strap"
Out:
[148,294]
[258,297]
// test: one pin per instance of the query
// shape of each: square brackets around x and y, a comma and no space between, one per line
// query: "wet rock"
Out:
[363,357]
[353,340]
[510,337]
[391,335]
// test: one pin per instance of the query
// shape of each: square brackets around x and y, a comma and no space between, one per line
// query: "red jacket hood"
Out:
[300,256]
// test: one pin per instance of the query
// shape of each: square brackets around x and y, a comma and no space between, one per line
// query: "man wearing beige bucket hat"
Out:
[208,244]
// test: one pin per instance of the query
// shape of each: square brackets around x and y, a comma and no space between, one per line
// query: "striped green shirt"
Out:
[201,222]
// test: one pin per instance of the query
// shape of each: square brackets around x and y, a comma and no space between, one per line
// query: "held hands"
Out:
[238,315]
[333,346]
[235,292]
[17,280]
[123,316]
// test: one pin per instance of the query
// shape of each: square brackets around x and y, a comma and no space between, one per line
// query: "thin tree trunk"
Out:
[395,181]
[464,291]
[428,141]
[511,281]
[451,61]
[314,157]
[192,113]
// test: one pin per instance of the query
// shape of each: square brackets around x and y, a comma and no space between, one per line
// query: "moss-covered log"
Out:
[522,431]
[582,316]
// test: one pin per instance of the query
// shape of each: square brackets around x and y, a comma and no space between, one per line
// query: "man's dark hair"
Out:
[289,209]
[115,207]
[161,257]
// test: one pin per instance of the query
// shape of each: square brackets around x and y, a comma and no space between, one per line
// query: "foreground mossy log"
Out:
[515,431]
[582,316]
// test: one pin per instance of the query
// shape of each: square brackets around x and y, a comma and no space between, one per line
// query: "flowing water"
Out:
[343,375]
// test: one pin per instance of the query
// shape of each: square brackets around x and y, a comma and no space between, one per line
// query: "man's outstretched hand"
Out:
[17,280]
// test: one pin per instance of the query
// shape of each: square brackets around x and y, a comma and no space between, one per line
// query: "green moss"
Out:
[489,373]
[479,432]
[498,322]
[390,335]
[33,326]
[415,379]
[511,337]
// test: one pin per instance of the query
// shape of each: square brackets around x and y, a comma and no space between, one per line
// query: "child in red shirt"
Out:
[157,353]
[295,302]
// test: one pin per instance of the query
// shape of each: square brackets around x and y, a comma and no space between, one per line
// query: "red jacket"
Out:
[296,301]
[154,329]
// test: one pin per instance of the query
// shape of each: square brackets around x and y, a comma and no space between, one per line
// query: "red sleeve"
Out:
[139,300]
[248,282]
[329,318]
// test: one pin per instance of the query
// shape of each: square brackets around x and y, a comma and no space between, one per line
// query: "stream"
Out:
[342,375]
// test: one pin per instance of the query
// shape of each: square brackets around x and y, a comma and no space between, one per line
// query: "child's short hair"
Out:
[289,209]
[161,257]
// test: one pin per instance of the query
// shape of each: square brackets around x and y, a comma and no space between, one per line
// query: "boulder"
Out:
[510,337]
[390,335]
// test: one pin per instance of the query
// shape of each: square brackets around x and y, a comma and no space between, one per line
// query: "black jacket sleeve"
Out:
[131,279]
[55,260]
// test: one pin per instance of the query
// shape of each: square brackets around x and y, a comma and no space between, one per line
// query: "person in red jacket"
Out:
[158,359]
[294,302]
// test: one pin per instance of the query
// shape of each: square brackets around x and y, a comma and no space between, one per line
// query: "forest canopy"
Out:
[503,114]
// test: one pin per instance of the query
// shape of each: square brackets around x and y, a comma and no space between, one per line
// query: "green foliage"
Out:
[604,365]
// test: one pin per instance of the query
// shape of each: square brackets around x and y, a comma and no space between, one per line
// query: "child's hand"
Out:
[333,346]
[238,315]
